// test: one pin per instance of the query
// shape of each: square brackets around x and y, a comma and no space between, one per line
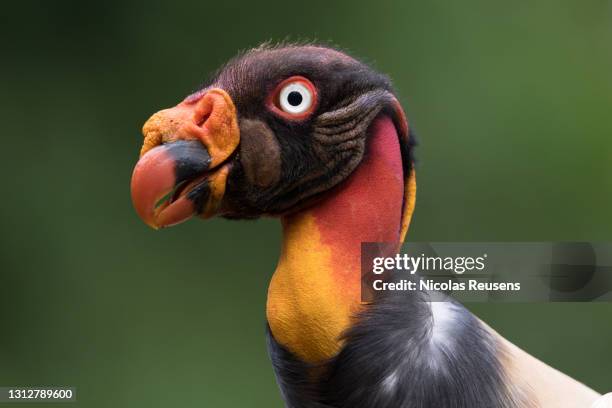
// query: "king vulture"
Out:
[318,139]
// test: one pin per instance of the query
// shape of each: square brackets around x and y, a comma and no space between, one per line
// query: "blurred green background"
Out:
[511,101]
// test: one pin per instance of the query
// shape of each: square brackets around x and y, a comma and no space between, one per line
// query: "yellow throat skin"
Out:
[305,310]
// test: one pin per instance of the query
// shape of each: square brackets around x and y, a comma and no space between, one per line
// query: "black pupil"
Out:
[294,98]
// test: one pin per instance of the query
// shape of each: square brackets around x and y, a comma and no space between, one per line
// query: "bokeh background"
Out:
[511,101]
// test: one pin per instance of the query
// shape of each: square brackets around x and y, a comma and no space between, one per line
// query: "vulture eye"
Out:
[294,98]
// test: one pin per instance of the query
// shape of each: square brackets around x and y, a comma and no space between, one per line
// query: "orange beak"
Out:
[183,164]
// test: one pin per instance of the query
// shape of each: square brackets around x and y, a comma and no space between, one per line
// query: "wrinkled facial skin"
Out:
[272,162]
[283,165]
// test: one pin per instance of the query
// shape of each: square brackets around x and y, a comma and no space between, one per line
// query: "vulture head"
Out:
[272,132]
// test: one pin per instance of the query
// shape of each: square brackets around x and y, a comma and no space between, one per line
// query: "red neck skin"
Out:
[367,207]
[316,290]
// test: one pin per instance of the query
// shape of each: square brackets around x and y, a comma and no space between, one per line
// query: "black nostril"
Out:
[191,159]
[203,119]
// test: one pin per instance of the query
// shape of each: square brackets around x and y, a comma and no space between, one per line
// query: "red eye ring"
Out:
[303,100]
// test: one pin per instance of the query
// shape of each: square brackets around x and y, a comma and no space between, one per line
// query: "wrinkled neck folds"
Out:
[315,289]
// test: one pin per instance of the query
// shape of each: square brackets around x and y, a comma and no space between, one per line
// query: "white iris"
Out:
[295,98]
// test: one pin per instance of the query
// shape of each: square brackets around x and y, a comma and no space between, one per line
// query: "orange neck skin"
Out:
[315,290]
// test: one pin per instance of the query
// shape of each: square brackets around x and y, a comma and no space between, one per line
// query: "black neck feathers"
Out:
[403,352]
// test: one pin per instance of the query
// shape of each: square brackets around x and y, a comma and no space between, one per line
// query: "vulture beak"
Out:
[183,164]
